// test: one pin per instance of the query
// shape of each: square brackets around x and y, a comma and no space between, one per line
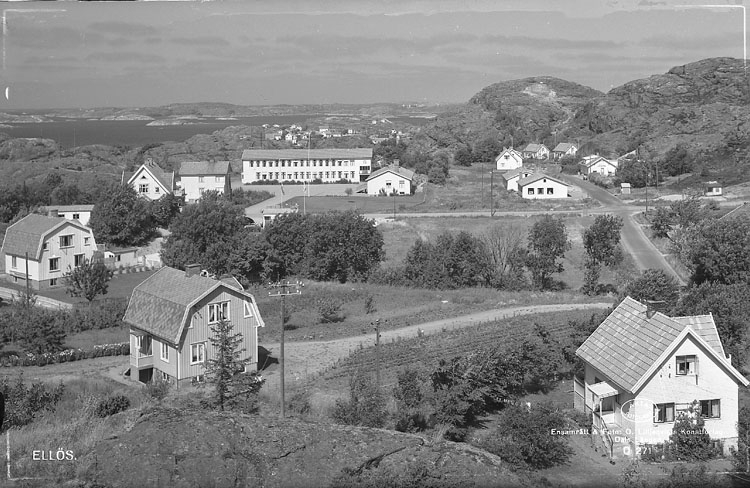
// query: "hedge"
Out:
[68,355]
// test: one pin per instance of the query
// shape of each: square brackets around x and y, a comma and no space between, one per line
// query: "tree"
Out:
[463,156]
[205,233]
[717,251]
[165,209]
[677,161]
[225,369]
[548,241]
[602,244]
[88,280]
[653,284]
[42,332]
[122,218]
[679,215]
[486,150]
[506,251]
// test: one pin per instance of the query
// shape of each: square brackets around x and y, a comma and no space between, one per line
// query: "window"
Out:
[54,264]
[710,409]
[218,311]
[387,183]
[78,260]
[156,189]
[143,343]
[248,310]
[550,191]
[14,262]
[401,184]
[164,352]
[540,191]
[201,190]
[164,376]
[664,412]
[53,282]
[686,365]
[45,246]
[197,353]
[76,216]
[143,188]
[86,241]
[530,191]
[200,179]
[66,241]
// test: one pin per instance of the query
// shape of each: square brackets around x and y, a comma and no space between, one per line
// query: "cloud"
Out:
[727,40]
[201,41]
[48,37]
[124,57]
[123,28]
[548,42]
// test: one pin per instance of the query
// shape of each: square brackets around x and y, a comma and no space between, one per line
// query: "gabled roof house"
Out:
[598,164]
[564,149]
[512,178]
[197,177]
[536,151]
[53,246]
[170,315]
[389,180]
[509,160]
[643,369]
[539,186]
[150,181]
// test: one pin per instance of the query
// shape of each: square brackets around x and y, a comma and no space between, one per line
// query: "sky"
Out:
[129,54]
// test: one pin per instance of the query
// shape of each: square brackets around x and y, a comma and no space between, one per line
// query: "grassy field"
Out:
[399,237]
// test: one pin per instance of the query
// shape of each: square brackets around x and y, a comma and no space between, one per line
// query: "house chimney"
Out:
[653,306]
[192,270]
[396,163]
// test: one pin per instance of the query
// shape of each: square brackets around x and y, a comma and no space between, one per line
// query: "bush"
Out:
[366,404]
[329,310]
[370,304]
[157,389]
[409,396]
[299,402]
[112,405]
[23,403]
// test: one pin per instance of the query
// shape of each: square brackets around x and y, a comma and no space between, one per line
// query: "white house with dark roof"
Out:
[170,315]
[389,180]
[536,151]
[598,164]
[511,178]
[197,177]
[564,149]
[53,245]
[644,369]
[539,186]
[327,165]
[509,160]
[81,213]
[150,181]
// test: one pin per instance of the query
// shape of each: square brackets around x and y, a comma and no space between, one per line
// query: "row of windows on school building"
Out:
[298,175]
[301,163]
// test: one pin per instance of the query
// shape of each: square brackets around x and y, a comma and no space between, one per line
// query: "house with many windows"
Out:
[170,315]
[150,181]
[509,160]
[53,245]
[326,165]
[643,369]
[539,186]
[197,177]
[391,180]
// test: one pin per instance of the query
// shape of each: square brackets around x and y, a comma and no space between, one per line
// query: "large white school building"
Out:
[327,165]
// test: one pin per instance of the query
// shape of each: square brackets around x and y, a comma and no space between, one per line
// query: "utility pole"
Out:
[482,204]
[394,204]
[284,289]
[28,291]
[376,326]
[492,205]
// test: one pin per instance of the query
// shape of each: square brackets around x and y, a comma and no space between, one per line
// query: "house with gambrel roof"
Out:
[197,177]
[150,181]
[643,369]
[170,315]
[53,245]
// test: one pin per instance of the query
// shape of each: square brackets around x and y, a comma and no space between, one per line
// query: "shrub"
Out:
[370,304]
[112,405]
[689,440]
[24,402]
[157,389]
[329,310]
[409,396]
[365,406]
[299,402]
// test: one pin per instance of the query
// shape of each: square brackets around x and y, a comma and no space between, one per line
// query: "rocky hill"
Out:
[516,112]
[703,106]
[186,448]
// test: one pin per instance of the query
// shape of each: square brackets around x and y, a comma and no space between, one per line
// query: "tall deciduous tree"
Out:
[602,244]
[655,285]
[717,251]
[225,369]
[548,242]
[88,280]
[507,253]
[122,218]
